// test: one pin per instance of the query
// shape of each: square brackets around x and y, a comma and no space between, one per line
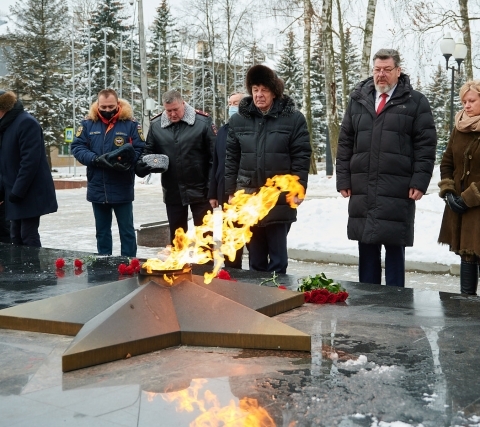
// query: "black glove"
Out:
[14,198]
[121,167]
[102,162]
[142,169]
[456,203]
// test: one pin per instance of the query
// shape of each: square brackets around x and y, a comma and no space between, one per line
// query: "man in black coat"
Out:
[26,176]
[187,137]
[216,193]
[385,159]
[267,137]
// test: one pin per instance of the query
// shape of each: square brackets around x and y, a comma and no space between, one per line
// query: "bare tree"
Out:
[367,39]
[330,85]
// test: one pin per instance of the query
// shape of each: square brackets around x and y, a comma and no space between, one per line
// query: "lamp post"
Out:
[459,51]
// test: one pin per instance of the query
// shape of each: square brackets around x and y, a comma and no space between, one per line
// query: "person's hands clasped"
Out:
[142,169]
[213,203]
[102,162]
[456,203]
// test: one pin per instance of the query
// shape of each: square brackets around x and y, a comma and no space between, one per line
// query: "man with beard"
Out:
[26,181]
[109,142]
[385,158]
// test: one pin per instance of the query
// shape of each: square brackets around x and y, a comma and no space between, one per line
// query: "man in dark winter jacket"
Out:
[187,137]
[267,137]
[26,177]
[109,142]
[385,158]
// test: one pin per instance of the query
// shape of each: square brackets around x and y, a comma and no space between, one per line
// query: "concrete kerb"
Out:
[345,259]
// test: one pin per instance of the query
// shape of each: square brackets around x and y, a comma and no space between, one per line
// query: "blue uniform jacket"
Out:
[92,140]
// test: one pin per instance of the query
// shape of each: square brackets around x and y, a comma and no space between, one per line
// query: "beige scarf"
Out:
[467,124]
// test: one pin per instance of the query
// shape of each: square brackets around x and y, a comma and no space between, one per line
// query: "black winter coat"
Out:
[217,175]
[262,146]
[188,145]
[381,157]
[24,167]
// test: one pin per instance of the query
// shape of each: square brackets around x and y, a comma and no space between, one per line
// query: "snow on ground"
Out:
[322,223]
[322,220]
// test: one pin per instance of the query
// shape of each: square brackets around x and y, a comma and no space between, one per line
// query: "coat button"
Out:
[468,172]
[470,157]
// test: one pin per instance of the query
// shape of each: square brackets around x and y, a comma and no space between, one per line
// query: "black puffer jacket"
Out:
[189,146]
[260,147]
[381,157]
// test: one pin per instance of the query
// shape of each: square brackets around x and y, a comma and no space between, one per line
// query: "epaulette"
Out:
[202,113]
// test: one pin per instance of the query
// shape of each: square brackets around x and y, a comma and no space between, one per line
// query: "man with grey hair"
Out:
[187,137]
[385,158]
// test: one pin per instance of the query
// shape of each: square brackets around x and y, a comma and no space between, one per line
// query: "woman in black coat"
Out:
[26,177]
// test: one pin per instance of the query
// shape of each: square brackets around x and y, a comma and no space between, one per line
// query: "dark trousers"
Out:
[178,216]
[267,250]
[5,226]
[25,232]
[370,264]
[103,225]
[237,262]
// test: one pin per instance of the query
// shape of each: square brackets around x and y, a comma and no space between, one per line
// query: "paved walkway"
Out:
[73,227]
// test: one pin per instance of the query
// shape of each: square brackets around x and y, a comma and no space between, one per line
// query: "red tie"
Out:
[382,102]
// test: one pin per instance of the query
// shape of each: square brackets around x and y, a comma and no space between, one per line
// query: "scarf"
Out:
[110,123]
[466,124]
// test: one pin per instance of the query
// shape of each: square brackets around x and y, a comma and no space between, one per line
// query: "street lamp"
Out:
[459,51]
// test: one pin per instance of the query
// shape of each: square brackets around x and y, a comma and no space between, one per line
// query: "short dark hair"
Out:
[107,92]
[386,54]
[171,96]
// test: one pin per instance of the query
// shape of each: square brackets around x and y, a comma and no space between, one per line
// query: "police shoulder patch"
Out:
[79,131]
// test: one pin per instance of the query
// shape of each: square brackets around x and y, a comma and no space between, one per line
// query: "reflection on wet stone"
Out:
[387,355]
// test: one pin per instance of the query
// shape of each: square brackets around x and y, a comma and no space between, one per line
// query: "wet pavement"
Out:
[73,227]
[386,357]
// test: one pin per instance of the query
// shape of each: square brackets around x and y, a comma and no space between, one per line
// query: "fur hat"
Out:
[7,100]
[262,75]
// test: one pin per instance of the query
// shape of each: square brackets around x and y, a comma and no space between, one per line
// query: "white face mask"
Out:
[233,109]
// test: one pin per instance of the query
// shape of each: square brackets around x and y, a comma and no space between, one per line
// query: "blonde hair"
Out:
[473,85]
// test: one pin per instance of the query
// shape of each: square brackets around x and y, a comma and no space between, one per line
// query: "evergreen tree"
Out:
[254,55]
[106,26]
[353,60]
[38,62]
[317,81]
[438,94]
[290,70]
[204,82]
[164,43]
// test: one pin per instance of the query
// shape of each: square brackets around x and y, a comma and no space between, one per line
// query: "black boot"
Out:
[468,277]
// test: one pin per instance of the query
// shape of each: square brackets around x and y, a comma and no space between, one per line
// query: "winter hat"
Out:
[262,75]
[7,100]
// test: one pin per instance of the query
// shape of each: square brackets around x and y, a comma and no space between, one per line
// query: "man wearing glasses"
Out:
[385,158]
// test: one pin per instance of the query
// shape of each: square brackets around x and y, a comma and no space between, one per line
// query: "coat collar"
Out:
[188,117]
[125,114]
[284,106]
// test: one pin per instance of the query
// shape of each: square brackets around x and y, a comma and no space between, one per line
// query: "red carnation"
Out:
[342,296]
[322,291]
[78,263]
[122,268]
[60,263]
[282,287]
[222,274]
[135,263]
[129,270]
[307,296]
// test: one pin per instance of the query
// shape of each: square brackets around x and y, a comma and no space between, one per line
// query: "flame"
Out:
[247,414]
[245,211]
